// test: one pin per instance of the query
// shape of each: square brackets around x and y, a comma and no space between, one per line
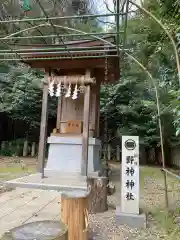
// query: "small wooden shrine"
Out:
[74,76]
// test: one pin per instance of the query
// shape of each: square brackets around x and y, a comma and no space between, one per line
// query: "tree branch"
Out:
[167,32]
[107,6]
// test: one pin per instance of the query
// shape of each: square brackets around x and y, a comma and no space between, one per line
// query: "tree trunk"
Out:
[74,213]
[98,194]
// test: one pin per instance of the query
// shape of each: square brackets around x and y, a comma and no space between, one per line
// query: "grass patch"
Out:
[166,223]
[11,170]
[153,173]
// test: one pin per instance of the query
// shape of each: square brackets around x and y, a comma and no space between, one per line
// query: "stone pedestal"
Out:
[130,219]
[65,154]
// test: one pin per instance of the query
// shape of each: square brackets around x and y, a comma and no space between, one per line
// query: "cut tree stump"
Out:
[41,230]
[74,213]
[97,198]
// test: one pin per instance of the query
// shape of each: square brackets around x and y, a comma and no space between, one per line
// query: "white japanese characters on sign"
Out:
[130,175]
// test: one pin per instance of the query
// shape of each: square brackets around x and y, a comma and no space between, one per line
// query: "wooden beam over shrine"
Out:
[66,64]
[74,79]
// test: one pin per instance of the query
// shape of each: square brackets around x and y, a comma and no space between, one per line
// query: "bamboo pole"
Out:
[159,123]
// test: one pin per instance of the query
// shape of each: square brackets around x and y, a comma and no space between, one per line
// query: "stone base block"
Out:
[65,154]
[131,220]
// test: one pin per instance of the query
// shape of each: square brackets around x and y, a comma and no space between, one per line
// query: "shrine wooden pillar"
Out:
[85,135]
[59,112]
[43,126]
[95,90]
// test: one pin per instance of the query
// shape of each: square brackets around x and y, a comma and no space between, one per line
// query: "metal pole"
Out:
[23,50]
[62,18]
[56,58]
[61,35]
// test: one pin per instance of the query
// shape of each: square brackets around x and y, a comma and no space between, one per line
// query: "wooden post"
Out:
[109,152]
[43,128]
[118,153]
[97,109]
[74,213]
[95,92]
[25,148]
[85,137]
[3,146]
[33,149]
[18,150]
[59,110]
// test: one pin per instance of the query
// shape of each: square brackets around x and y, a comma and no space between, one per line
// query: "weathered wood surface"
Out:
[98,195]
[43,127]
[85,140]
[74,213]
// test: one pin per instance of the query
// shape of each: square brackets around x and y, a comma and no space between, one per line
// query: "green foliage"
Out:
[133,110]
[21,94]
[12,148]
[130,105]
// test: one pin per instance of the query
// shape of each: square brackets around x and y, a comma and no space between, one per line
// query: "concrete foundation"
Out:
[65,154]
[131,220]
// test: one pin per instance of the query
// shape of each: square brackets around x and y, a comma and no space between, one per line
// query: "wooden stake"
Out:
[43,128]
[74,213]
[85,138]
[25,148]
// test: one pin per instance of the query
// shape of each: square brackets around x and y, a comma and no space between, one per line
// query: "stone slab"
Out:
[42,230]
[131,220]
[52,181]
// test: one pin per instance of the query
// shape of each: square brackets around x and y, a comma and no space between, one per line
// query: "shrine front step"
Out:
[52,181]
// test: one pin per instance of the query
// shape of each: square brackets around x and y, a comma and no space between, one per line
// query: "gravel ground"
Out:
[103,226]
